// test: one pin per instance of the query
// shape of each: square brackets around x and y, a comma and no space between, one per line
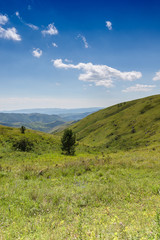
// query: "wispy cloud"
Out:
[54,45]
[157,76]
[9,33]
[30,25]
[51,30]
[139,88]
[109,25]
[29,7]
[84,40]
[18,15]
[37,52]
[3,19]
[100,75]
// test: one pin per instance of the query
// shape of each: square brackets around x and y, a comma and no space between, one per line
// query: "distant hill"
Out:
[122,126]
[36,121]
[56,111]
[43,122]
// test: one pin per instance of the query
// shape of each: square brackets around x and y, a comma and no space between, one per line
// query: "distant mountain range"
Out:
[44,119]
[57,111]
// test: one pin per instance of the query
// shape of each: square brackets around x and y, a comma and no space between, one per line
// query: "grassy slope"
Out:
[50,196]
[123,126]
[42,141]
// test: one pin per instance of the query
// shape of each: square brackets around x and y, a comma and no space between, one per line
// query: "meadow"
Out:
[93,195]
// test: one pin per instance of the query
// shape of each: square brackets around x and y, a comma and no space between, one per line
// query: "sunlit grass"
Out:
[102,196]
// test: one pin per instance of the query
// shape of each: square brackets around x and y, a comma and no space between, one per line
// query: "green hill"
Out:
[122,126]
[12,140]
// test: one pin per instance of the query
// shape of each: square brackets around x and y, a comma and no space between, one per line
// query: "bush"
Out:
[133,130]
[23,144]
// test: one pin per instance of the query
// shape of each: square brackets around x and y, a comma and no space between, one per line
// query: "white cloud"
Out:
[54,45]
[84,40]
[18,15]
[9,33]
[157,76]
[37,53]
[51,30]
[34,27]
[139,88]
[30,25]
[109,25]
[3,19]
[100,75]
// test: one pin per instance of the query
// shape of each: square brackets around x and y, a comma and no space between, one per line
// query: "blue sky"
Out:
[74,54]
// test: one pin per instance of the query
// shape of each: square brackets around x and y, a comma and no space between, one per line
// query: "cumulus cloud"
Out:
[100,75]
[51,30]
[157,76]
[54,45]
[3,19]
[30,25]
[9,33]
[84,40]
[139,88]
[109,25]
[37,52]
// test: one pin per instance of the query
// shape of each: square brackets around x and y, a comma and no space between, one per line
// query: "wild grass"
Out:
[87,196]
[124,126]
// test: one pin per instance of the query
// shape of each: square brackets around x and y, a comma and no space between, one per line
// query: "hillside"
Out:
[12,138]
[122,126]
[47,195]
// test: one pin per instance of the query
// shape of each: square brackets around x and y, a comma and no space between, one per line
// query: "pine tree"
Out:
[68,142]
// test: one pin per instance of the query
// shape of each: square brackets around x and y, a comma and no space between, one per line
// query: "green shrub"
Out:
[23,144]
[22,129]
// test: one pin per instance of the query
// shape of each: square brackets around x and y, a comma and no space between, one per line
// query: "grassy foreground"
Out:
[105,196]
